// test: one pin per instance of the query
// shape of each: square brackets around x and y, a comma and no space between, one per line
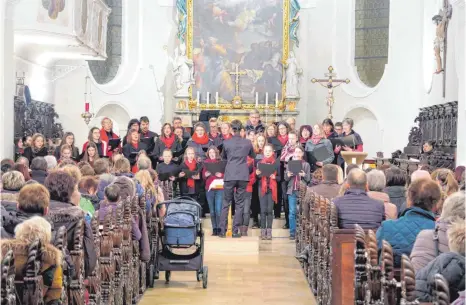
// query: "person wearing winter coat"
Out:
[376,183]
[395,187]
[431,243]
[422,197]
[200,142]
[451,265]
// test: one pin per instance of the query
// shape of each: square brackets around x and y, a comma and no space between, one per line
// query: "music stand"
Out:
[353,157]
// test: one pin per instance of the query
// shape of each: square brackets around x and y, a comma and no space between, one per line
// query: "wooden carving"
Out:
[33,286]
[94,283]
[388,281]
[408,281]
[441,293]
[374,274]
[60,244]
[107,264]
[127,252]
[361,285]
[135,258]
[8,290]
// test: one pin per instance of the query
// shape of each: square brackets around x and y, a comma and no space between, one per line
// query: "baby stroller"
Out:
[181,228]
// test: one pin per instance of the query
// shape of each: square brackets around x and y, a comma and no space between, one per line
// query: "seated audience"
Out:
[101,166]
[144,163]
[329,188]
[104,181]
[356,207]
[431,243]
[37,228]
[37,148]
[24,170]
[23,160]
[39,169]
[396,186]
[7,164]
[87,171]
[153,194]
[422,197]
[65,211]
[376,183]
[51,162]
[416,175]
[459,171]
[33,200]
[12,181]
[451,265]
[88,187]
[447,182]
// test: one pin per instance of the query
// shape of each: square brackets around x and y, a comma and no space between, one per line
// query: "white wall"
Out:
[38,78]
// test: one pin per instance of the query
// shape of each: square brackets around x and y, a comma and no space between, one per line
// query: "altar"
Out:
[237,61]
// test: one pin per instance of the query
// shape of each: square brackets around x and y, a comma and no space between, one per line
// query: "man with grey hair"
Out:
[51,162]
[376,183]
[420,174]
[431,243]
[356,207]
[39,169]
[144,163]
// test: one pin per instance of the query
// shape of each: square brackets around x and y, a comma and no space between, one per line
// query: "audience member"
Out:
[104,181]
[101,166]
[39,169]
[376,182]
[329,187]
[7,164]
[51,162]
[87,171]
[431,243]
[446,179]
[451,265]
[144,163]
[350,167]
[12,181]
[459,171]
[23,170]
[356,207]
[420,174]
[88,187]
[422,197]
[37,228]
[23,160]
[396,186]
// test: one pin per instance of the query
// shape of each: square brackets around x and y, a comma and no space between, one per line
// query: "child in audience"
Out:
[189,186]
[268,192]
[214,194]
[293,187]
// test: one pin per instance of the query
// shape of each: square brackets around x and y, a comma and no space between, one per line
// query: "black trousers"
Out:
[284,187]
[228,195]
[255,205]
[277,208]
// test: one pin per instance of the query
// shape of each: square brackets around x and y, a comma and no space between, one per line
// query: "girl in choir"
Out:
[214,194]
[305,133]
[133,147]
[19,148]
[248,197]
[251,135]
[90,154]
[190,186]
[258,146]
[317,141]
[225,129]
[179,131]
[167,140]
[282,137]
[286,155]
[68,139]
[37,148]
[268,189]
[167,172]
[200,142]
[293,187]
[94,137]
[65,153]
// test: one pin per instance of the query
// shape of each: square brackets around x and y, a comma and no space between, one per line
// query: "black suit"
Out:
[235,152]
[130,152]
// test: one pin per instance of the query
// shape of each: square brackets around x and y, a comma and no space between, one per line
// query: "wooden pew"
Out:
[76,283]
[127,253]
[106,261]
[31,287]
[60,244]
[8,291]
[117,238]
[94,283]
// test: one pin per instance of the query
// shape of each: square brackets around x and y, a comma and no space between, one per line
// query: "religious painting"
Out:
[53,11]
[253,34]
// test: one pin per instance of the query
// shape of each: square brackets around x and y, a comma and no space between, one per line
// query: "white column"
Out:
[7,78]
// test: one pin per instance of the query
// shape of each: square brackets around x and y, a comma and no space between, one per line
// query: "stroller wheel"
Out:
[204,277]
[167,276]
[199,275]
[150,276]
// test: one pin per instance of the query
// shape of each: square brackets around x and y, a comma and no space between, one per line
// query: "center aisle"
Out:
[241,271]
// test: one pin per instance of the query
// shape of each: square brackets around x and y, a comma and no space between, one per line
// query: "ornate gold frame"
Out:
[285,53]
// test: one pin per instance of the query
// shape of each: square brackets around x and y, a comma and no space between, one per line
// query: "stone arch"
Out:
[116,113]
[369,127]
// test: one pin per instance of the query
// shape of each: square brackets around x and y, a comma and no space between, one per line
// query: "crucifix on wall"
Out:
[441,20]
[237,75]
[330,83]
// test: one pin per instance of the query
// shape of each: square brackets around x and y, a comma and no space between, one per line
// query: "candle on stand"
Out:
[266,100]
[257,99]
[86,107]
[198,97]
[208,97]
[276,99]
[216,99]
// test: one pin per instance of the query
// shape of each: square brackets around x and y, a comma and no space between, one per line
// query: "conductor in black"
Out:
[235,152]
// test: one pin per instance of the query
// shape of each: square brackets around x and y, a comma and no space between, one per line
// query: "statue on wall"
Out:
[183,67]
[291,76]
[441,21]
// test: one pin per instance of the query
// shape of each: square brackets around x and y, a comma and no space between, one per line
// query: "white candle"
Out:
[276,99]
[198,98]
[216,99]
[208,97]
[257,99]
[266,100]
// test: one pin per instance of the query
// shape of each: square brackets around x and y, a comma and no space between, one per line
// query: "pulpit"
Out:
[353,157]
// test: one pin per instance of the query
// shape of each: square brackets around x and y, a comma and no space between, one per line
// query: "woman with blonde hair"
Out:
[153,194]
[445,178]
[68,139]
[37,148]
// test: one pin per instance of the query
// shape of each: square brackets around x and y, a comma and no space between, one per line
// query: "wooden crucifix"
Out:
[331,82]
[237,74]
[442,20]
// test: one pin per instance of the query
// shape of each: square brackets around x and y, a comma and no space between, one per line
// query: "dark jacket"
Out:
[328,189]
[10,219]
[311,147]
[199,148]
[236,152]
[131,153]
[184,189]
[451,266]
[74,154]
[401,233]
[149,138]
[68,215]
[277,177]
[30,154]
[159,147]
[307,178]
[39,176]
[171,168]
[217,141]
[92,198]
[429,244]
[257,129]
[397,194]
[356,207]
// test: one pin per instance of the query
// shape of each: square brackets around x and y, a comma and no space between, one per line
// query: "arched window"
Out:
[372,18]
[105,71]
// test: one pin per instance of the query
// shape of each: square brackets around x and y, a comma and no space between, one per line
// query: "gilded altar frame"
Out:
[290,38]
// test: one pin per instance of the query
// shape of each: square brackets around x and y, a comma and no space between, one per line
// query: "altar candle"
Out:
[86,107]
[257,99]
[208,97]
[216,99]
[266,100]
[276,99]
[198,97]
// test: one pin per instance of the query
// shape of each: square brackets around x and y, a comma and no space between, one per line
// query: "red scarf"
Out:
[303,140]
[227,136]
[168,141]
[135,145]
[201,140]
[272,182]
[316,139]
[192,167]
[283,139]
